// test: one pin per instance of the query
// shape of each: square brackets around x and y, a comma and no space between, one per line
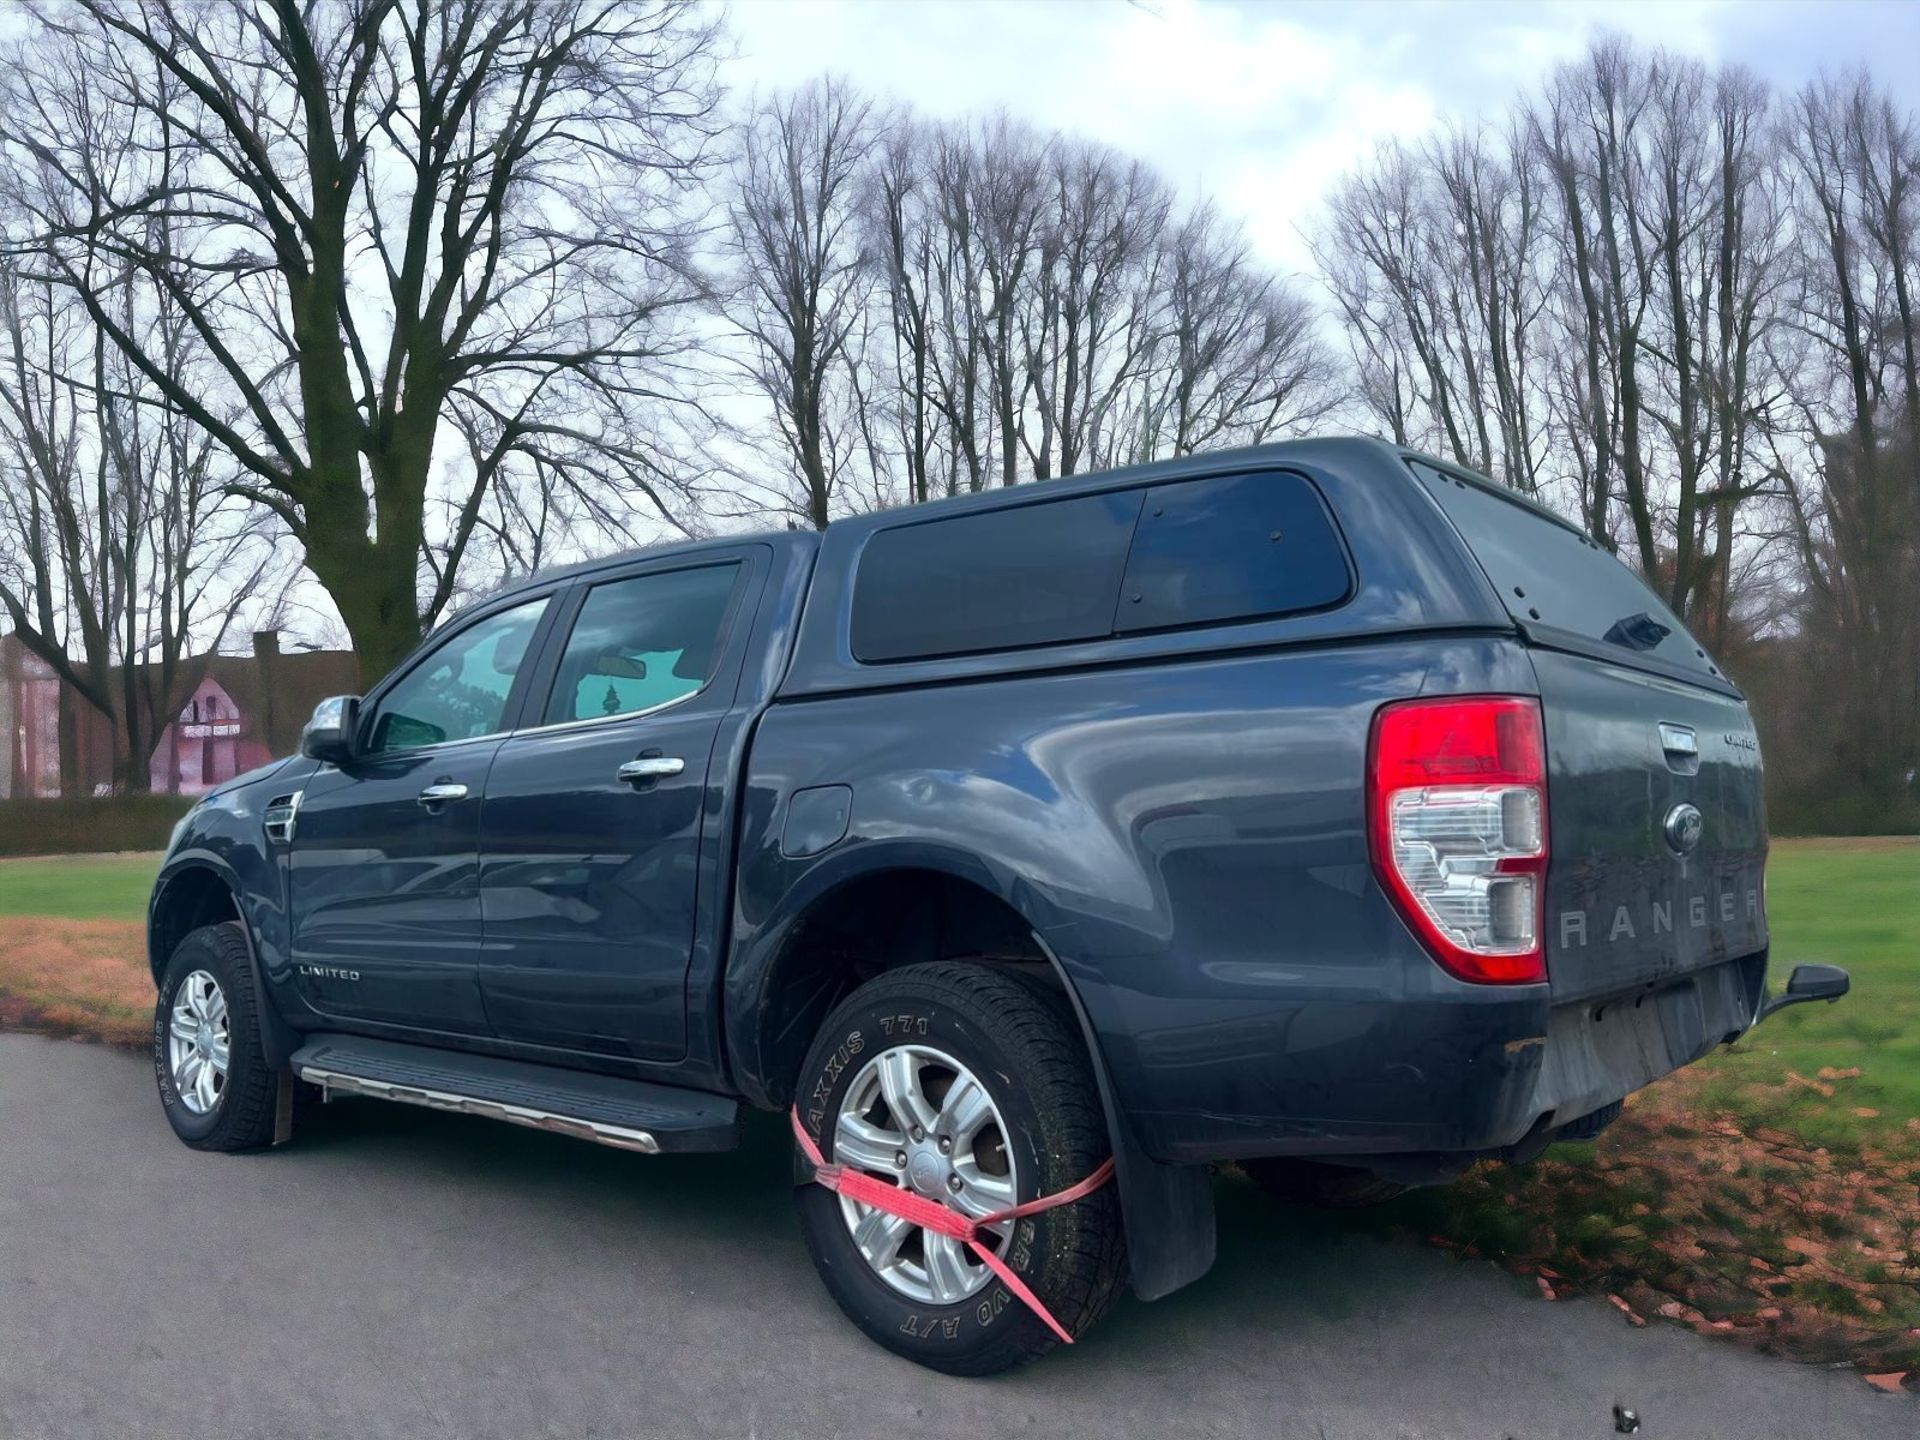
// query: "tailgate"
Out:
[1656,824]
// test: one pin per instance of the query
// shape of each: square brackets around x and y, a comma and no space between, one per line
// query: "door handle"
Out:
[651,767]
[439,794]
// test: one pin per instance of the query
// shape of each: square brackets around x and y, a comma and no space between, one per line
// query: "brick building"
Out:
[241,711]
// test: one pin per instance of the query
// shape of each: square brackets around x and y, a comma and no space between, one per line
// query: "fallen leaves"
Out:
[1726,1229]
[1633,1317]
[84,978]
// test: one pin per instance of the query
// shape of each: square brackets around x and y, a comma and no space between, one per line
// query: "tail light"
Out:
[1458,823]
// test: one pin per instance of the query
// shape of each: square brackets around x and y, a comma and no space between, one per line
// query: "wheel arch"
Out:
[196,891]
[827,936]
[185,898]
[844,923]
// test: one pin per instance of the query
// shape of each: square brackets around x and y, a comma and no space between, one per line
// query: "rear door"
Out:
[1655,813]
[591,864]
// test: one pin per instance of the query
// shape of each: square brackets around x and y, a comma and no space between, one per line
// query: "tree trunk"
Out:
[67,721]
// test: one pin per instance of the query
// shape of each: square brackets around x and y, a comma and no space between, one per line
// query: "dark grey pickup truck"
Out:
[1320,807]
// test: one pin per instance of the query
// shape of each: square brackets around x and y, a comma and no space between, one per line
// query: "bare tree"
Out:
[1090,321]
[801,283]
[902,245]
[120,558]
[378,211]
[1856,503]
[1237,359]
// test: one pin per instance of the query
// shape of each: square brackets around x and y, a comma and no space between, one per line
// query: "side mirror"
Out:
[329,734]
[1810,982]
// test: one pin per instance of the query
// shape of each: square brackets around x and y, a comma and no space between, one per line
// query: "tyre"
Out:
[967,1084]
[1330,1187]
[215,1084]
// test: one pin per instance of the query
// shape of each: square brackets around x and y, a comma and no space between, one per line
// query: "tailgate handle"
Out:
[1682,749]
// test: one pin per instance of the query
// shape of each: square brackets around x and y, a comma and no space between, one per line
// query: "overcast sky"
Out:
[1264,104]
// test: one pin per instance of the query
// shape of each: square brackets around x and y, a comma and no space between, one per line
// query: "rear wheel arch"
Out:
[1167,1209]
[880,918]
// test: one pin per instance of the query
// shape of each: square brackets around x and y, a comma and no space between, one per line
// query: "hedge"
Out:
[66,827]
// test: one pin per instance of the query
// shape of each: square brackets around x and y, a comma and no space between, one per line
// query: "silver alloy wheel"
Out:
[918,1117]
[199,1041]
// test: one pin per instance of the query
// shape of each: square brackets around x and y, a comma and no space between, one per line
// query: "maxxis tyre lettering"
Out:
[1021,1040]
[244,1117]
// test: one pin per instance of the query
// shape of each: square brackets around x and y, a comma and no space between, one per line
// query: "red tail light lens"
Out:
[1458,824]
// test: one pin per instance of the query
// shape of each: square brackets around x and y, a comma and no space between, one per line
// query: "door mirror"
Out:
[329,734]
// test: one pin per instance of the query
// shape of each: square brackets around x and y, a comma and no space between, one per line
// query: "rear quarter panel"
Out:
[1189,837]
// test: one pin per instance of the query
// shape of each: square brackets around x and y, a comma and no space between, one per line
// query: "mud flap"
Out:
[284,1087]
[1167,1209]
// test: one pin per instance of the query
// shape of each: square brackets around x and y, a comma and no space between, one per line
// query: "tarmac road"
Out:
[397,1272]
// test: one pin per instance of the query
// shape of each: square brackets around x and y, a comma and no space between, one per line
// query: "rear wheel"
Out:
[1330,1187]
[215,1084]
[969,1086]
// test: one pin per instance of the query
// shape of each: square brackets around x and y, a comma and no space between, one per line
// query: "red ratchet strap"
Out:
[864,1189]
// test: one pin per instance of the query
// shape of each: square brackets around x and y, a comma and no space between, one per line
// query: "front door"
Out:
[386,849]
[591,831]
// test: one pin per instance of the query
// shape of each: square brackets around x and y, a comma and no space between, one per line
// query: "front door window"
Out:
[460,691]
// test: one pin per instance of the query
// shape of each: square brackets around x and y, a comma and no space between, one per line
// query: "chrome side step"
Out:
[618,1136]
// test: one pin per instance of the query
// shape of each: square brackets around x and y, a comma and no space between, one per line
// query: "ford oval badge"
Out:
[1684,826]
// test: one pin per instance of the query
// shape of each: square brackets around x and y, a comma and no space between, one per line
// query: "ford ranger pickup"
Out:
[1320,807]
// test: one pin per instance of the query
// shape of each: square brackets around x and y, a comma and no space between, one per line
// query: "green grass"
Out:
[1857,905]
[78,887]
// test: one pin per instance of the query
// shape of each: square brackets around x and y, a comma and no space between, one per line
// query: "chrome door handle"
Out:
[651,767]
[439,794]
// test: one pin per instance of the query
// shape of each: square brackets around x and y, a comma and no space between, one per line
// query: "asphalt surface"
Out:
[397,1272]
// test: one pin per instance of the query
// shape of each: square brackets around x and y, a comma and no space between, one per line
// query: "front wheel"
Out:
[970,1086]
[215,1084]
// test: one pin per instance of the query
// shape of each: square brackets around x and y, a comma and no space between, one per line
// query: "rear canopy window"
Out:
[1550,574]
[1237,547]
[1032,575]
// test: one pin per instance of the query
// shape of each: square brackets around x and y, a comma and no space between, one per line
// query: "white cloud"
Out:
[1261,105]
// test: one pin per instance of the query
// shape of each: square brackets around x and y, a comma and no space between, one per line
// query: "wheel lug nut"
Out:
[946,1146]
[953,1183]
[900,1159]
[918,1134]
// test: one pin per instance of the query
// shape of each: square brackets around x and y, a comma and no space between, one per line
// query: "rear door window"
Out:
[1042,574]
[1235,547]
[642,643]
[1549,573]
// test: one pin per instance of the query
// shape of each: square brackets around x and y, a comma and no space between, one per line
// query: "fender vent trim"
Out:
[279,817]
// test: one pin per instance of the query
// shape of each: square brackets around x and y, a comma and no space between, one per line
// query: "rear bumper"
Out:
[1456,1075]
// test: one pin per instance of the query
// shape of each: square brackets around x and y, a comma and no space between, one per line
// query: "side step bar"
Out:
[626,1114]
